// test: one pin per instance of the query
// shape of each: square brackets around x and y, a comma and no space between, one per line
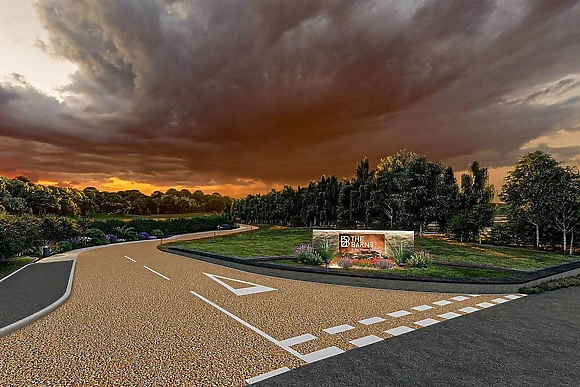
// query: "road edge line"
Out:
[43,312]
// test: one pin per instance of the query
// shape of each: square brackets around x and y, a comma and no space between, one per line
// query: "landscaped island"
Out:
[480,261]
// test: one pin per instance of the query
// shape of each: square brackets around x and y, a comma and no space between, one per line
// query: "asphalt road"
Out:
[532,342]
[32,289]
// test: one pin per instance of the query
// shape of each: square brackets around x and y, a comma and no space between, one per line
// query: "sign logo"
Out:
[344,241]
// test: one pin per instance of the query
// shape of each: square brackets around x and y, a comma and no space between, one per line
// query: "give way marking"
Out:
[254,288]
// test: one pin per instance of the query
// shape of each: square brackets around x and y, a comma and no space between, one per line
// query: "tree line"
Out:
[20,196]
[405,191]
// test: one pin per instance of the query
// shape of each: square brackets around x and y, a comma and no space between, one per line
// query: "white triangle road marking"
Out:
[254,288]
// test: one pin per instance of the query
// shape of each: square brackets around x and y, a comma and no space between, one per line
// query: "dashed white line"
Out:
[460,298]
[421,308]
[372,320]
[469,309]
[367,340]
[338,329]
[513,296]
[322,354]
[399,313]
[159,274]
[399,330]
[267,375]
[449,315]
[130,259]
[426,322]
[485,305]
[297,340]
[443,302]
[499,300]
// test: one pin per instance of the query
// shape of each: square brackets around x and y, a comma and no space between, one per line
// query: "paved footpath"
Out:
[139,316]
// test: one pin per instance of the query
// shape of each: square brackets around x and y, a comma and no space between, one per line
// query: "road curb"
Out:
[43,312]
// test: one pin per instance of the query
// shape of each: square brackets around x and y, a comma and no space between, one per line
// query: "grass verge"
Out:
[7,267]
[552,285]
[508,257]
[265,242]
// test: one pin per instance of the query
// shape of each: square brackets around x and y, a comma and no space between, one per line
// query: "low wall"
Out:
[352,241]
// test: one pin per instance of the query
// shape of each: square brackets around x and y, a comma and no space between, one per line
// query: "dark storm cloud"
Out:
[284,91]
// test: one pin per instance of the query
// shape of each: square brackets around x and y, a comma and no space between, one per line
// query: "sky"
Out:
[243,96]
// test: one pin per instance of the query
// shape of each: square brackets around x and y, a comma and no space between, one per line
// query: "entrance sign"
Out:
[254,288]
[364,243]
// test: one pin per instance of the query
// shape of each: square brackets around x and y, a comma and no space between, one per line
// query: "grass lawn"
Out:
[265,242]
[7,267]
[509,257]
[101,216]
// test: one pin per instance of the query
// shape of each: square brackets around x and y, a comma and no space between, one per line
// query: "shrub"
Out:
[157,233]
[382,263]
[419,259]
[401,254]
[143,235]
[112,238]
[122,231]
[132,236]
[345,262]
[62,247]
[97,237]
[307,254]
[326,253]
[225,226]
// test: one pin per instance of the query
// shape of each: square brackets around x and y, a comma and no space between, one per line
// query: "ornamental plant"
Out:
[97,237]
[112,238]
[382,263]
[345,262]
[401,255]
[326,253]
[419,259]
[157,233]
[308,254]
[143,235]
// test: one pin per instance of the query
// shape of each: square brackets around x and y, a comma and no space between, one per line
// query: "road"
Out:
[139,316]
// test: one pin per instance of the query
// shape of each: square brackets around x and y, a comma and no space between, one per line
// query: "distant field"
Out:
[100,216]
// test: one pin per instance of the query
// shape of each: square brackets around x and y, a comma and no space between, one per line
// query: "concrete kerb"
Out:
[491,286]
[41,313]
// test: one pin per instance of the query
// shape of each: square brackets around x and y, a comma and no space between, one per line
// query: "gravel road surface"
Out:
[139,316]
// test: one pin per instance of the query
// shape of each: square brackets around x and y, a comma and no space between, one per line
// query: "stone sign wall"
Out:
[364,243]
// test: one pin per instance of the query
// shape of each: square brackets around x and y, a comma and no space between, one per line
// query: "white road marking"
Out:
[250,326]
[254,288]
[421,308]
[338,329]
[267,375]
[513,296]
[130,259]
[449,315]
[474,295]
[297,340]
[443,302]
[322,354]
[485,305]
[365,340]
[426,322]
[460,298]
[399,330]
[399,313]
[469,309]
[159,274]
[499,300]
[372,320]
